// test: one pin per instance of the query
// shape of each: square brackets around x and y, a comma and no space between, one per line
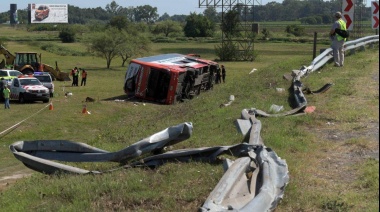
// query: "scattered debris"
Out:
[256,179]
[309,109]
[276,108]
[321,90]
[253,70]
[89,99]
[288,77]
[232,98]
[68,94]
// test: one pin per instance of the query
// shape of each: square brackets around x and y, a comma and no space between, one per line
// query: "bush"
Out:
[295,30]
[226,52]
[67,35]
[266,34]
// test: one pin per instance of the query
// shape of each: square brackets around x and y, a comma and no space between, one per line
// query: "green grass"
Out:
[183,187]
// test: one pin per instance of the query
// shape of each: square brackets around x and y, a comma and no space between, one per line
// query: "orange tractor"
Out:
[30,62]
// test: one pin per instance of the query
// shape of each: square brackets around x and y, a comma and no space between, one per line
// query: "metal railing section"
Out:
[326,55]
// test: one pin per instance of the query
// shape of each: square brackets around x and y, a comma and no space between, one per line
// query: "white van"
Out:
[46,80]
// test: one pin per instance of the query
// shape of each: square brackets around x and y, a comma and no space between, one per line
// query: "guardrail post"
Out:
[315,45]
[352,51]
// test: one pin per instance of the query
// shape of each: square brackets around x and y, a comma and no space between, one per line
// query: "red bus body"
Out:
[168,78]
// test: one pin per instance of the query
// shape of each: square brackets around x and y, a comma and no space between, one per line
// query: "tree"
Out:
[164,17]
[146,13]
[167,27]
[198,26]
[230,23]
[134,46]
[211,14]
[113,8]
[128,12]
[179,18]
[119,22]
[106,44]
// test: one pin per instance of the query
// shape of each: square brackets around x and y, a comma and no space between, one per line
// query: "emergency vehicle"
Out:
[46,80]
[28,88]
[169,78]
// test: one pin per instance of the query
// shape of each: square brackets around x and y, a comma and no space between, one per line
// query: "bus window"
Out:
[158,84]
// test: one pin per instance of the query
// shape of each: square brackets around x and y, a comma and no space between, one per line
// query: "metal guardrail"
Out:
[321,60]
[318,62]
[326,55]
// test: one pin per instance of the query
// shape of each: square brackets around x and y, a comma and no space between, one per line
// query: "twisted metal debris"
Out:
[254,181]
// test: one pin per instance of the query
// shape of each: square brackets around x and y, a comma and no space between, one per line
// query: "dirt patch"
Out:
[340,155]
[6,181]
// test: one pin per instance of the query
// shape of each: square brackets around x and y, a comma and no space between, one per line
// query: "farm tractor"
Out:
[30,62]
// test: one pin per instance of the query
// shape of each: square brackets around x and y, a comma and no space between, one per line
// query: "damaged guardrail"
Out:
[256,180]
[327,55]
[321,60]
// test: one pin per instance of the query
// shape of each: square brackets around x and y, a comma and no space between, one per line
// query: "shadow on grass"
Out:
[186,51]
[130,99]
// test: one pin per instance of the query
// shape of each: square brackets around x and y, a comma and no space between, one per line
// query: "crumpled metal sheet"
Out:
[37,154]
[254,181]
[323,89]
[294,112]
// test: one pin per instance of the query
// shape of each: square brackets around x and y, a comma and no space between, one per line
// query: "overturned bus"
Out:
[169,78]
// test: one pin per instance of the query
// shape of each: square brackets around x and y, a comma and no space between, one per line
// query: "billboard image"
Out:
[49,13]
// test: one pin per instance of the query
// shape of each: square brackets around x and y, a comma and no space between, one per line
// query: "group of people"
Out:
[337,47]
[75,74]
[5,92]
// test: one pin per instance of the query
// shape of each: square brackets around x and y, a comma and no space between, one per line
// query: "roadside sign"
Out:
[375,14]
[348,13]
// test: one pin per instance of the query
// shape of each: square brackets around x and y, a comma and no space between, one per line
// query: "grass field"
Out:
[332,153]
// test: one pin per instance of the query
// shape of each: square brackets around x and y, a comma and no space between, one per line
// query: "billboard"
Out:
[48,13]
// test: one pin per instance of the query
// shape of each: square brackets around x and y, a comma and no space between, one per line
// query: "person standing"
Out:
[6,94]
[84,78]
[77,78]
[74,75]
[218,76]
[337,40]
[223,74]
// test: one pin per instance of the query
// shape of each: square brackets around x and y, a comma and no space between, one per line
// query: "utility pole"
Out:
[243,40]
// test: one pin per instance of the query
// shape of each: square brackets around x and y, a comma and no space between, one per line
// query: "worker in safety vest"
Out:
[6,94]
[337,40]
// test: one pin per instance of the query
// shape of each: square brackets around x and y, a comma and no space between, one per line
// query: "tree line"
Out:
[308,11]
[117,31]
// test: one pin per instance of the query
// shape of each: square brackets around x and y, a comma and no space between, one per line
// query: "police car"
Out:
[46,80]
[8,75]
[28,88]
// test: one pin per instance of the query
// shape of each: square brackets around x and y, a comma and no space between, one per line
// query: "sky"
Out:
[171,7]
